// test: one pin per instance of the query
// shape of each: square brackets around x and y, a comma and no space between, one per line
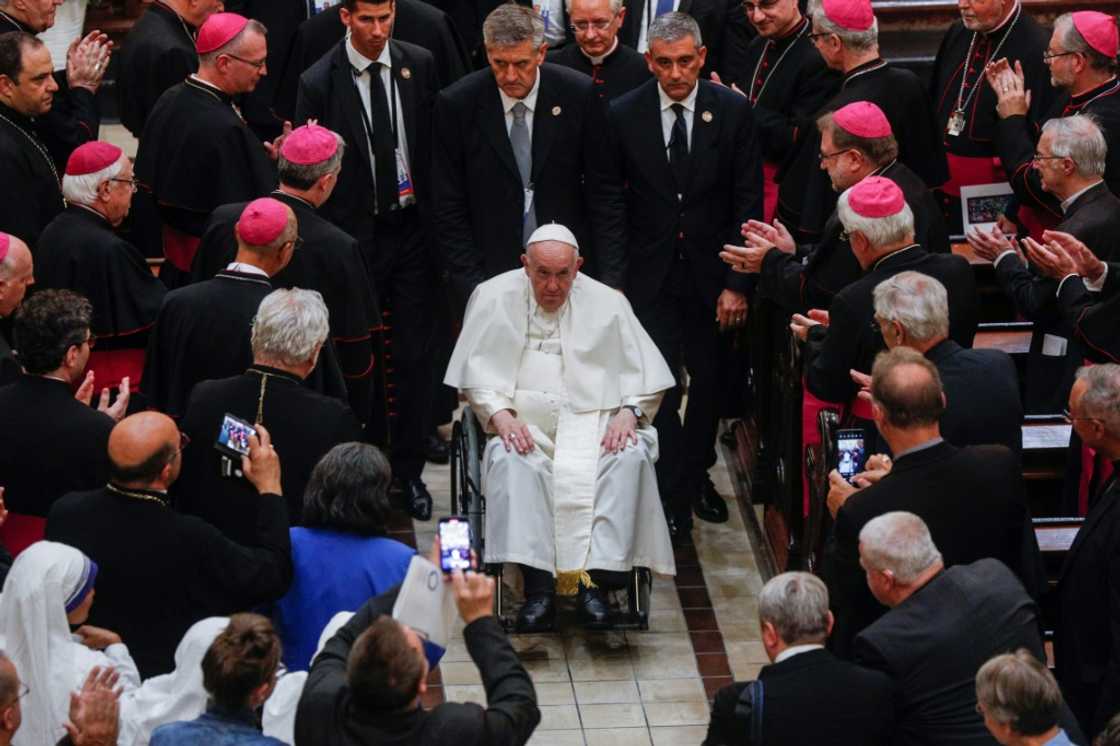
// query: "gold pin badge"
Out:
[706,116]
[406,73]
[556,111]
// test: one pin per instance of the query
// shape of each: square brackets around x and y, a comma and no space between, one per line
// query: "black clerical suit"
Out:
[805,194]
[202,332]
[849,704]
[74,118]
[34,196]
[932,644]
[50,444]
[663,227]
[852,339]
[79,251]
[328,716]
[160,571]
[974,503]
[621,70]
[1087,641]
[158,52]
[417,22]
[196,153]
[396,240]
[1054,356]
[479,199]
[982,396]
[303,425]
[328,261]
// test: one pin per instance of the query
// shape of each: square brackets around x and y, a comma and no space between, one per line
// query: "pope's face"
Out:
[552,267]
[515,66]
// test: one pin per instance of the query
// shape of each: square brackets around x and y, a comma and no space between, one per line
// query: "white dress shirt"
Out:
[360,62]
[648,7]
[669,117]
[530,102]
[796,650]
[246,269]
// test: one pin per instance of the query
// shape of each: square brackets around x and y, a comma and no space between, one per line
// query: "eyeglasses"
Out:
[184,441]
[1041,157]
[582,27]
[818,34]
[1047,56]
[258,65]
[89,340]
[763,6]
[822,157]
[132,183]
[23,691]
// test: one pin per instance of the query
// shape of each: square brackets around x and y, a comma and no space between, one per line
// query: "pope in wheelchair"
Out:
[566,382]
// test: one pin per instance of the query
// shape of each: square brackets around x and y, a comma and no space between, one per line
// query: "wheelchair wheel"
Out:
[641,584]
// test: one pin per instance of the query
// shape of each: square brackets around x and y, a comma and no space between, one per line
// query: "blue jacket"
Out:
[215,727]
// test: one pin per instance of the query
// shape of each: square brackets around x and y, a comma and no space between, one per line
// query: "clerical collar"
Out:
[16,24]
[882,259]
[360,62]
[689,101]
[599,60]
[246,269]
[1007,22]
[792,34]
[530,101]
[154,496]
[91,211]
[1107,88]
[206,87]
[796,650]
[280,193]
[867,67]
[188,29]
[1068,201]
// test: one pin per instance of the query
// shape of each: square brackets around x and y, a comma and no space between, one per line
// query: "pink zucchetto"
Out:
[5,244]
[851,15]
[218,30]
[1099,31]
[862,119]
[876,197]
[92,157]
[309,144]
[262,221]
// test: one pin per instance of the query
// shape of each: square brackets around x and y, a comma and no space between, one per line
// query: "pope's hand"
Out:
[621,430]
[513,432]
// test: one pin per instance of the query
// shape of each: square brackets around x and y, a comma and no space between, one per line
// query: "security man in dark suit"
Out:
[972,499]
[712,16]
[1087,641]
[681,173]
[849,704]
[511,148]
[378,93]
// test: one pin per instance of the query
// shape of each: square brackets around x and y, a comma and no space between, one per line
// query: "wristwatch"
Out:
[634,410]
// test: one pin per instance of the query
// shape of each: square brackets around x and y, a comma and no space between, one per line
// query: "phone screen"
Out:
[849,451]
[454,544]
[234,435]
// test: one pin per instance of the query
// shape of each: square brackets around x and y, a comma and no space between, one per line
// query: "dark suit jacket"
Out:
[1087,643]
[974,503]
[327,93]
[852,339]
[328,716]
[50,444]
[642,222]
[849,704]
[933,643]
[982,395]
[478,193]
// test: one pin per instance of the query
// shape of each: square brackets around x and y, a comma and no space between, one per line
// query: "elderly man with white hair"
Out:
[290,329]
[559,370]
[80,251]
[943,624]
[17,273]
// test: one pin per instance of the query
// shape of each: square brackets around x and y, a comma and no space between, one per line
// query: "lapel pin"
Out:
[706,116]
[556,111]
[406,73]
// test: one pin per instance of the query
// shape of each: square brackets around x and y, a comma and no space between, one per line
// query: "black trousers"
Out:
[684,328]
[400,266]
[541,583]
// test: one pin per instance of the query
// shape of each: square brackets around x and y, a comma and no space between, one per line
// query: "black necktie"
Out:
[383,142]
[678,148]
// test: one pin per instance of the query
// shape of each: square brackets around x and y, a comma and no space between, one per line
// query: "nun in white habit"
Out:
[557,366]
[50,587]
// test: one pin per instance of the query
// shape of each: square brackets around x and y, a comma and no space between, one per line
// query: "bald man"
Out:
[161,571]
[17,273]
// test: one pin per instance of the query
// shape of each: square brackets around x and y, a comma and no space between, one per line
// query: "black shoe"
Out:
[594,611]
[708,505]
[537,614]
[437,450]
[418,500]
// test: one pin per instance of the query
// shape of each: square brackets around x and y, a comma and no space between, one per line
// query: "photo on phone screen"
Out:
[454,544]
[849,453]
[234,435]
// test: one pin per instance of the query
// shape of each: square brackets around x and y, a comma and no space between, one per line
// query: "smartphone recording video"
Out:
[233,438]
[454,544]
[850,453]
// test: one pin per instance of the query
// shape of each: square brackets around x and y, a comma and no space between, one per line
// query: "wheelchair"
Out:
[468,442]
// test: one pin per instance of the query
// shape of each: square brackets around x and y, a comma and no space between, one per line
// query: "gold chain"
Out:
[135,495]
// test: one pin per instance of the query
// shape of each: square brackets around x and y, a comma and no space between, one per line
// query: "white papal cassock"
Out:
[567,506]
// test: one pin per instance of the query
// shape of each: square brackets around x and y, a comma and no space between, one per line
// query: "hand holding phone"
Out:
[455,544]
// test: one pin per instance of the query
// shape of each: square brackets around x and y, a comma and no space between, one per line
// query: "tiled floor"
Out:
[622,688]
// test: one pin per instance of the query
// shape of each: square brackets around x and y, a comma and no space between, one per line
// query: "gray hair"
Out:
[879,231]
[1016,689]
[1101,399]
[918,302]
[290,325]
[856,41]
[82,190]
[510,24]
[233,45]
[616,5]
[1072,41]
[796,603]
[898,542]
[671,27]
[303,176]
[1080,139]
